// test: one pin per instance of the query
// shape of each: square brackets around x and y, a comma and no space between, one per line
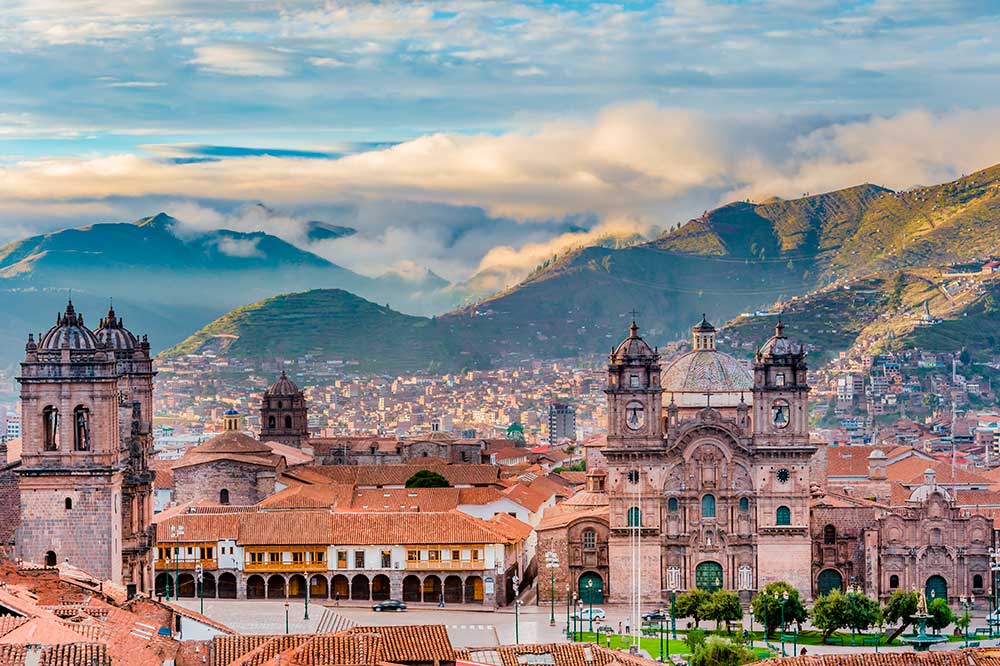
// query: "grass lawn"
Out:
[652,644]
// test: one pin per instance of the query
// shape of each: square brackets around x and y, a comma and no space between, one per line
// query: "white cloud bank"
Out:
[629,169]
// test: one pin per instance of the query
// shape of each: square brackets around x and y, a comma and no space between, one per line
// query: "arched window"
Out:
[708,506]
[224,496]
[829,534]
[589,539]
[271,423]
[634,517]
[69,503]
[744,504]
[288,423]
[281,405]
[783,516]
[977,582]
[50,558]
[81,428]
[50,425]
[893,582]
[672,504]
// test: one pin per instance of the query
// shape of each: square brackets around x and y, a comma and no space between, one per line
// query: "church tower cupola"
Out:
[284,417]
[634,393]
[703,336]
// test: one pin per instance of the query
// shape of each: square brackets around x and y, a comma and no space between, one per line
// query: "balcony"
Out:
[446,565]
[284,566]
[186,565]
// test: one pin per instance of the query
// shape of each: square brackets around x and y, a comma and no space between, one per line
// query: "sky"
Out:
[475,136]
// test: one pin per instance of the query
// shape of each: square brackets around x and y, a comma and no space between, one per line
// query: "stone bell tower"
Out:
[283,414]
[71,473]
[782,456]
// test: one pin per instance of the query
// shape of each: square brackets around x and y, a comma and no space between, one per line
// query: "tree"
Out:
[721,652]
[425,478]
[964,357]
[940,614]
[902,606]
[861,612]
[829,612]
[768,609]
[896,295]
[695,640]
[693,604]
[724,606]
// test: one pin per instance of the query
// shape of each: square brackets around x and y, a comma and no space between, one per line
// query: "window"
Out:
[163,553]
[779,379]
[256,558]
[271,423]
[783,516]
[288,423]
[633,476]
[465,456]
[341,559]
[81,428]
[50,423]
[281,405]
[708,506]
[589,539]
[456,555]
[977,582]
[633,381]
[69,503]
[50,558]
[207,553]
[386,559]
[476,554]
[359,559]
[224,496]
[319,557]
[274,558]
[634,517]
[298,557]
[672,504]
[829,535]
[434,555]
[413,556]
[893,581]
[745,506]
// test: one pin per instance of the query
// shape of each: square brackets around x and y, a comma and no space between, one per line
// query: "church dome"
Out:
[284,386]
[778,344]
[69,331]
[929,487]
[632,348]
[114,335]
[705,370]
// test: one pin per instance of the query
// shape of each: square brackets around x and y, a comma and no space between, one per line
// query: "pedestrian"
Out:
[619,627]
[336,598]
[441,603]
[803,651]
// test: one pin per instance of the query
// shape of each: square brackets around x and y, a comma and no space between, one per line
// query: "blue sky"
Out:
[499,128]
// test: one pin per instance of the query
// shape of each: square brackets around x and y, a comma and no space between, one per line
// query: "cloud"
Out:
[136,84]
[239,247]
[240,60]
[454,202]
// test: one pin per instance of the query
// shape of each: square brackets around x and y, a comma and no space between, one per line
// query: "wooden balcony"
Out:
[291,567]
[186,565]
[446,565]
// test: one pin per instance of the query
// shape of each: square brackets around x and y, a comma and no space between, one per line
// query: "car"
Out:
[656,616]
[591,614]
[390,605]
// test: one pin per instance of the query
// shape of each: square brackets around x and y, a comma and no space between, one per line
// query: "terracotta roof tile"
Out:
[409,643]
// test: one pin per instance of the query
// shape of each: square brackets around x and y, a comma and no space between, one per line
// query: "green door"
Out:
[708,576]
[936,588]
[591,588]
[829,580]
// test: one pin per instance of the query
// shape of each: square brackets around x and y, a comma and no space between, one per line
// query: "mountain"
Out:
[335,325]
[182,281]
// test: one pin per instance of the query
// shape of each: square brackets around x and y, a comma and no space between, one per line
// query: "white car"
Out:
[591,614]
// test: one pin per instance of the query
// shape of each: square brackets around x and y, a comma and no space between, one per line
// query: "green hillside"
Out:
[331,324]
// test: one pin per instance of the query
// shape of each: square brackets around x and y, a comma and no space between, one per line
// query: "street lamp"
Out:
[567,613]
[286,617]
[306,576]
[552,563]
[199,574]
[994,570]
[576,614]
[661,639]
[967,605]
[590,596]
[517,634]
[751,627]
[782,600]
[176,532]
[579,614]
[673,611]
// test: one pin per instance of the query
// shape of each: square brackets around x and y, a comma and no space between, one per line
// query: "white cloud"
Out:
[240,60]
[136,84]
[239,247]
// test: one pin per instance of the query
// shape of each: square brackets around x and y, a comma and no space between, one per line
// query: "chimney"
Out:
[877,465]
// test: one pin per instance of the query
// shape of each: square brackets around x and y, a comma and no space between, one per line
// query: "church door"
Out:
[591,588]
[936,588]
[829,580]
[708,576]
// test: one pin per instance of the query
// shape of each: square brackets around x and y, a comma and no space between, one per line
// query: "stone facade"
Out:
[283,415]
[84,484]
[391,451]
[244,483]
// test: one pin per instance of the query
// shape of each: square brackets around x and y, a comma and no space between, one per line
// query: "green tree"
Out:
[964,357]
[425,478]
[932,401]
[724,606]
[861,612]
[767,608]
[829,612]
[695,640]
[896,295]
[694,604]
[902,606]
[721,652]
[940,614]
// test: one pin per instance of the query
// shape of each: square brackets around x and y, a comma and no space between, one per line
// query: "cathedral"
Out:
[708,480]
[84,481]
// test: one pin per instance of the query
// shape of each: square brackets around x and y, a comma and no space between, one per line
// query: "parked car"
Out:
[390,605]
[656,615]
[591,614]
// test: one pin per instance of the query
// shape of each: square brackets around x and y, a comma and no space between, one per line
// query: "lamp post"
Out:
[661,640]
[782,600]
[590,596]
[751,627]
[286,617]
[994,570]
[306,576]
[579,613]
[176,532]
[852,589]
[567,613]
[199,574]
[576,615]
[517,632]
[673,611]
[967,605]
[552,563]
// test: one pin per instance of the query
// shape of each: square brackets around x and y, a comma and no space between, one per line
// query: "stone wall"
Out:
[205,481]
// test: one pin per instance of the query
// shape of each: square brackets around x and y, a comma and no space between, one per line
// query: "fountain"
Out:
[922,641]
